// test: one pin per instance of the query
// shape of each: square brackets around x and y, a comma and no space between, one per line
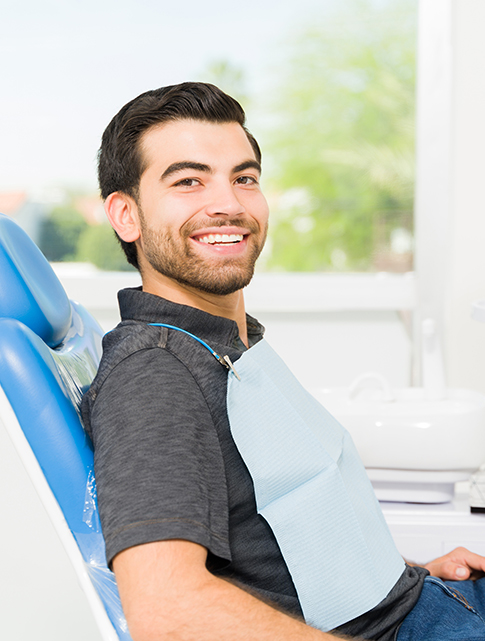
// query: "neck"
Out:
[230,306]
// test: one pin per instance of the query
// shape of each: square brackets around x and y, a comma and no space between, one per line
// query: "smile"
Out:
[220,239]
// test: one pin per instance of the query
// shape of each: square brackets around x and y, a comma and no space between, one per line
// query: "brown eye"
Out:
[247,180]
[187,182]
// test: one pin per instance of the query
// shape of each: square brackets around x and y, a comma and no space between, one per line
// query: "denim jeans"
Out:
[447,611]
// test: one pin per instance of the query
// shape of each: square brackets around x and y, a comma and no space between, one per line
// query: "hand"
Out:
[458,565]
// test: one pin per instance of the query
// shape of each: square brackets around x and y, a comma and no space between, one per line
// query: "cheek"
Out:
[255,202]
[168,217]
[261,209]
[181,208]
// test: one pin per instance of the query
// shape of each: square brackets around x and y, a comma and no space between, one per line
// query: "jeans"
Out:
[446,611]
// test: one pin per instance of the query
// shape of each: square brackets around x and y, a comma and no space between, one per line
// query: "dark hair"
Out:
[120,161]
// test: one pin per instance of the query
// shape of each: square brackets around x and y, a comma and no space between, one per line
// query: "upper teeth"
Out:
[220,238]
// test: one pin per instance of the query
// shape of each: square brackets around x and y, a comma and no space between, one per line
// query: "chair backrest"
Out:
[50,348]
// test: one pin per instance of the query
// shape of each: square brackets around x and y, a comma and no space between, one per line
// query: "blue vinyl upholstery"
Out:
[49,352]
[30,291]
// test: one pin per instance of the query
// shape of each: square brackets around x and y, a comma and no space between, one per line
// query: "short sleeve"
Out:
[158,464]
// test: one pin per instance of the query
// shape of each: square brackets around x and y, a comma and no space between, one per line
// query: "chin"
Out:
[218,285]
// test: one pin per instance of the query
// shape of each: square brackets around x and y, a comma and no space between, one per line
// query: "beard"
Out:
[175,258]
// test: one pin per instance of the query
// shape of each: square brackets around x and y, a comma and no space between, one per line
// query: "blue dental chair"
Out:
[49,352]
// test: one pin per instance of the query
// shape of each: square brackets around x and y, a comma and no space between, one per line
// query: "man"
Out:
[196,552]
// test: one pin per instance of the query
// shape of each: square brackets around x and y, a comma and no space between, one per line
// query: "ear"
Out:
[122,213]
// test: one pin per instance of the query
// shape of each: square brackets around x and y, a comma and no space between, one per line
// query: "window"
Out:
[329,92]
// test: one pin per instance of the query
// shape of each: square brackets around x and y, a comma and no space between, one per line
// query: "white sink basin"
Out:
[412,432]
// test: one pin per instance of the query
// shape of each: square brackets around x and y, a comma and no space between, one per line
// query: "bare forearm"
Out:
[220,611]
[168,595]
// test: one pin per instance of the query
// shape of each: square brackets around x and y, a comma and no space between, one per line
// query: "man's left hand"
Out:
[458,565]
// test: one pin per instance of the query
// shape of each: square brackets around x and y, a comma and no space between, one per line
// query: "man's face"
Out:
[203,217]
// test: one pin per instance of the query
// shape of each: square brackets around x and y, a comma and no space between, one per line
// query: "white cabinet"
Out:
[424,532]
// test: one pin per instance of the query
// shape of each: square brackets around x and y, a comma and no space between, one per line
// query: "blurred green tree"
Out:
[342,150]
[98,245]
[60,233]
[66,236]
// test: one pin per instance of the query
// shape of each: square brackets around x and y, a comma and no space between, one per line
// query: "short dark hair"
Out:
[120,161]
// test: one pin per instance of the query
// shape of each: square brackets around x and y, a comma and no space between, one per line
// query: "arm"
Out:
[167,594]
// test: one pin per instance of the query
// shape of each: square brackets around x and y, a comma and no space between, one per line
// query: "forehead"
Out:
[195,140]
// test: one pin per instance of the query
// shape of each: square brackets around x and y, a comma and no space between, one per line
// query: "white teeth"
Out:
[223,239]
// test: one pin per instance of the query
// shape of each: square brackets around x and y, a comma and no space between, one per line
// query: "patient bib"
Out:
[313,491]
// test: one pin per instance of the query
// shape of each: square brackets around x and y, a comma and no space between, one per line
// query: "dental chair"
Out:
[49,352]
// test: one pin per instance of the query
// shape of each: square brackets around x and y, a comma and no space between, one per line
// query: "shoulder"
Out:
[149,402]
[137,364]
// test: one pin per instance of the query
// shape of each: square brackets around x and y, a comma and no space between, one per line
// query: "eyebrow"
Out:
[248,164]
[185,164]
[197,166]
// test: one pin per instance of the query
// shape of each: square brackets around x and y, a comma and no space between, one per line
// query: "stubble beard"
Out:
[176,259]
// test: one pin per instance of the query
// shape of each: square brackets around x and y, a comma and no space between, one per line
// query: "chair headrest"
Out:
[30,291]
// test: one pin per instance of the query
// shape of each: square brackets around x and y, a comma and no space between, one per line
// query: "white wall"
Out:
[465,338]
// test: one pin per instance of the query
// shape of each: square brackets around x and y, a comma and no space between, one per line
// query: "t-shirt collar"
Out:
[138,305]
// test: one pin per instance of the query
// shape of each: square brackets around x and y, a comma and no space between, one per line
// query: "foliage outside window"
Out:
[66,236]
[342,153]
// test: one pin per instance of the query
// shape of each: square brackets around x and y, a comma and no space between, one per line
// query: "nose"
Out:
[224,201]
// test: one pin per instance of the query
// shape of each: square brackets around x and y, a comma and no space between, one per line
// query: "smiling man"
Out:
[233,506]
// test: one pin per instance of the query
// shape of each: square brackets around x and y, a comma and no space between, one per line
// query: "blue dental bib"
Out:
[313,491]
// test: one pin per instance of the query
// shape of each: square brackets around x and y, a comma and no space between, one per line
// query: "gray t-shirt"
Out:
[167,467]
